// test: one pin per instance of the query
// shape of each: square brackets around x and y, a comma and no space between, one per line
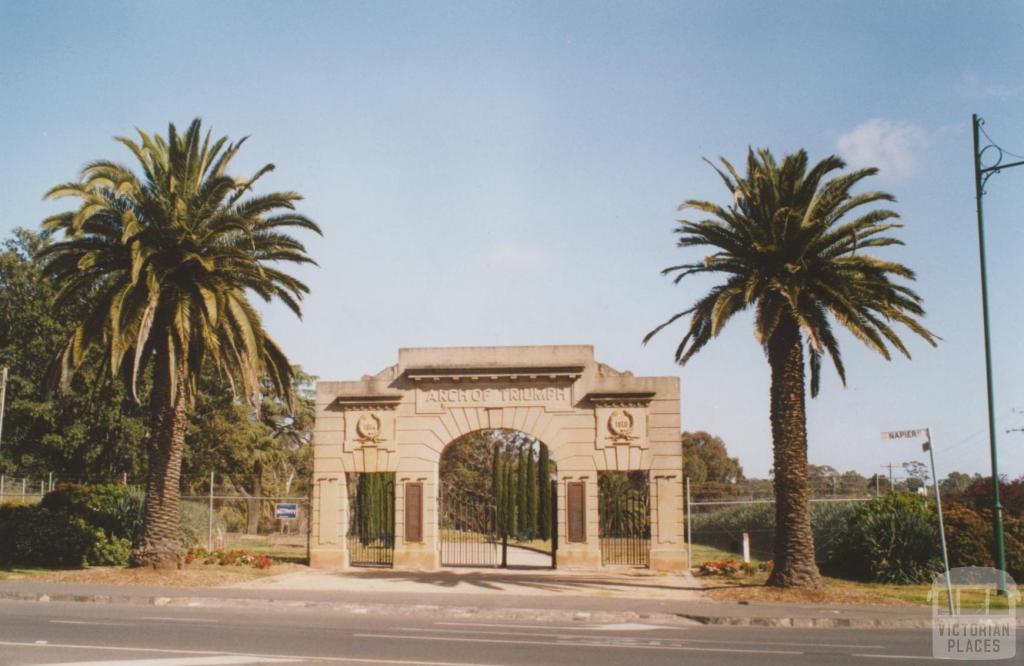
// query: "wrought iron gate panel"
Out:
[371,525]
[624,525]
[469,530]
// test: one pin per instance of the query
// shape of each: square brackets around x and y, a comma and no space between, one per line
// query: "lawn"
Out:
[839,591]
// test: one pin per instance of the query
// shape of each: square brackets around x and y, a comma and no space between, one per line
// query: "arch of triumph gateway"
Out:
[592,418]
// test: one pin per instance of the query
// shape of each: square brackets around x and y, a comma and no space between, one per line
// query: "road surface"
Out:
[126,635]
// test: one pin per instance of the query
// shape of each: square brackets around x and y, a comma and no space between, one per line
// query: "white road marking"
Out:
[178,661]
[546,627]
[630,646]
[99,624]
[850,646]
[898,656]
[626,626]
[178,619]
[265,657]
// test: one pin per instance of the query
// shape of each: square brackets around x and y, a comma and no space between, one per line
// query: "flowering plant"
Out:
[228,557]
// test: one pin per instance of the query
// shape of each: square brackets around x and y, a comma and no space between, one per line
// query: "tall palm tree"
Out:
[790,245]
[166,259]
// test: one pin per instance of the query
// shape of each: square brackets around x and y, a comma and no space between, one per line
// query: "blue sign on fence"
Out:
[287,511]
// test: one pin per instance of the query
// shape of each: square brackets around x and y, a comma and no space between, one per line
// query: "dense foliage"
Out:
[73,526]
[705,459]
[891,539]
[95,430]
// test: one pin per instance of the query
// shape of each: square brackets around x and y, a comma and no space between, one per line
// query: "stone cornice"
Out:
[435,374]
[374,401]
[622,399]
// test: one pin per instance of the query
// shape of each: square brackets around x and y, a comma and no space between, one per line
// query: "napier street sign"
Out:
[905,434]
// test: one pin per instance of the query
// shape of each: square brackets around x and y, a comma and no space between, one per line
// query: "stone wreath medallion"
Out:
[620,425]
[368,428]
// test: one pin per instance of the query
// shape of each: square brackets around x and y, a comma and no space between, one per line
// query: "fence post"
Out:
[24,482]
[209,529]
[50,485]
[689,527]
[124,478]
[42,489]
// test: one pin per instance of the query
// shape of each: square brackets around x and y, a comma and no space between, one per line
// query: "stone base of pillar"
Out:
[578,558]
[668,560]
[417,559]
[323,558]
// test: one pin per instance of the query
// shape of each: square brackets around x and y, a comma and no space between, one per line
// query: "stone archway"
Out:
[591,417]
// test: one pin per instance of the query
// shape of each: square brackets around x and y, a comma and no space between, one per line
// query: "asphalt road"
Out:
[124,635]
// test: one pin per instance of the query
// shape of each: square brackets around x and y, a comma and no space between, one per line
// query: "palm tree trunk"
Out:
[253,505]
[794,564]
[159,545]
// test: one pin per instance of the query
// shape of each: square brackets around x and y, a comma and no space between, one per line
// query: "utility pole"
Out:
[890,475]
[981,176]
[3,399]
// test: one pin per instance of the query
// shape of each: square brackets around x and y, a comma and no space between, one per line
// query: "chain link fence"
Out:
[716,524]
[216,514]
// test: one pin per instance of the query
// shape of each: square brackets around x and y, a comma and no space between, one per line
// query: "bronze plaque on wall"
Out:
[576,511]
[414,511]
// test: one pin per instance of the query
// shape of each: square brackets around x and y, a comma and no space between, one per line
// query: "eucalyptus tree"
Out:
[791,245]
[167,256]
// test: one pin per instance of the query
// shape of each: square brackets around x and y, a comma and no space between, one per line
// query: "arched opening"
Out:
[497,505]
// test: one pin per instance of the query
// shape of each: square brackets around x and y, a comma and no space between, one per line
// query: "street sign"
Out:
[904,434]
[286,510]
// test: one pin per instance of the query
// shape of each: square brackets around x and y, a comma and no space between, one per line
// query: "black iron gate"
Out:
[624,511]
[469,530]
[371,525]
[475,532]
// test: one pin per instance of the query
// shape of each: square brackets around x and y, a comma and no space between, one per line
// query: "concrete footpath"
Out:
[534,595]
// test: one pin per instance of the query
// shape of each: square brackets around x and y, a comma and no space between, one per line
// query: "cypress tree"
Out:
[374,504]
[544,490]
[532,495]
[361,513]
[522,522]
[510,498]
[498,490]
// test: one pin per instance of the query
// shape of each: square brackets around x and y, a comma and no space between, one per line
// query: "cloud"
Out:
[516,255]
[892,146]
[971,86]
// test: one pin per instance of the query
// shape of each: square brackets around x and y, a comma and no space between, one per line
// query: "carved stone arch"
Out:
[591,417]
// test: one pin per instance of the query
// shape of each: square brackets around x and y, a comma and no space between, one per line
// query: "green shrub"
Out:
[37,537]
[110,551]
[970,536]
[72,526]
[723,526]
[891,539]
[115,509]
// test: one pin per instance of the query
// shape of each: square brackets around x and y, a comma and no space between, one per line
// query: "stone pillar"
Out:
[328,545]
[668,547]
[424,554]
[578,555]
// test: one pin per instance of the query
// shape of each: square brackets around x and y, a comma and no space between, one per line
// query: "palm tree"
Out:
[166,259]
[791,245]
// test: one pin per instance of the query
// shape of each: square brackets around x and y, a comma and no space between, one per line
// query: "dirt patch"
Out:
[195,575]
[833,591]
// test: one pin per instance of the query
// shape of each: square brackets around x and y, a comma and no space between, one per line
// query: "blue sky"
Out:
[507,173]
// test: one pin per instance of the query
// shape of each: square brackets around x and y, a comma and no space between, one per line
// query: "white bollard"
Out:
[746,547]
